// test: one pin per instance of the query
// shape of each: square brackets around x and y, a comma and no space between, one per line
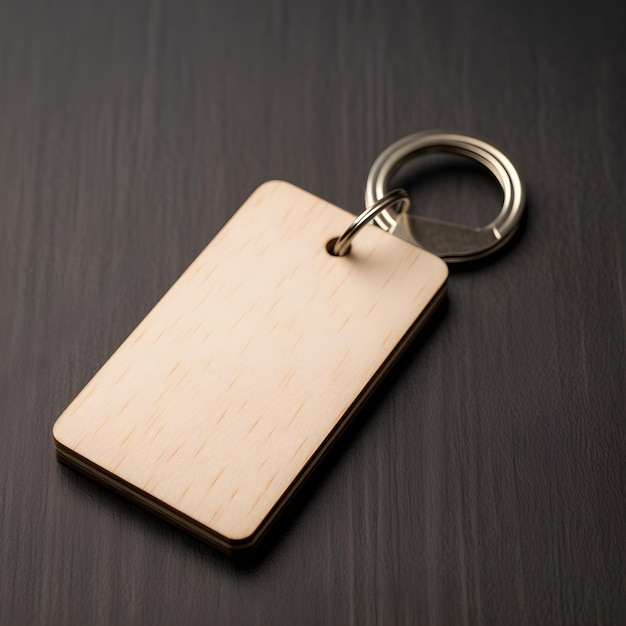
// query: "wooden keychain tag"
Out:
[214,409]
[220,403]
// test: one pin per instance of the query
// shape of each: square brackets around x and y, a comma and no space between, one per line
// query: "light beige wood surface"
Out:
[228,388]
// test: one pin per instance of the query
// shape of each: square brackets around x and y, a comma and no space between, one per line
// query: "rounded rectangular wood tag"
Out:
[217,406]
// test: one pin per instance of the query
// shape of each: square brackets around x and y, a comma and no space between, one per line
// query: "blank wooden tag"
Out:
[222,400]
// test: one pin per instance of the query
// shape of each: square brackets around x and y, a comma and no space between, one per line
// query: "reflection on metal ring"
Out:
[452,242]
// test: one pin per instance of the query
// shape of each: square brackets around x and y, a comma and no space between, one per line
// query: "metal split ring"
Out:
[341,245]
[452,242]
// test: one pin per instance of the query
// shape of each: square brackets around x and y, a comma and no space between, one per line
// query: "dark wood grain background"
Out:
[486,481]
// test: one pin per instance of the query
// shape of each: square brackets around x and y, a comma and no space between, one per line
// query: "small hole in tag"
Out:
[330,247]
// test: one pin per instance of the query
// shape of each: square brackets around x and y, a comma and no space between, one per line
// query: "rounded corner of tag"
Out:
[57,434]
[269,186]
[274,190]
[444,269]
[242,537]
[438,267]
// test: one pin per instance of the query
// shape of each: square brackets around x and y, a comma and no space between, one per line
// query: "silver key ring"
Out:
[452,242]
[341,245]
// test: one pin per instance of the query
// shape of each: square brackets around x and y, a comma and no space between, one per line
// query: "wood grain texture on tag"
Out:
[215,408]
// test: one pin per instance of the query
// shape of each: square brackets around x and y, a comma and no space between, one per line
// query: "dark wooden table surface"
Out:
[485,482]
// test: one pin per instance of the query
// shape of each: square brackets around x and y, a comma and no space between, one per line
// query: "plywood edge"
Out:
[95,472]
